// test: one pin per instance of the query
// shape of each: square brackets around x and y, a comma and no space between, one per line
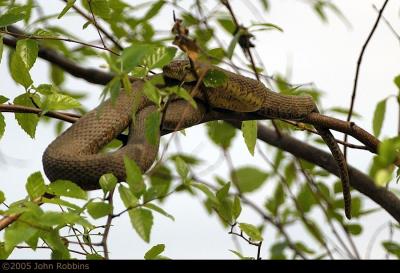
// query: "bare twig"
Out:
[101,29]
[35,37]
[107,226]
[360,58]
[95,23]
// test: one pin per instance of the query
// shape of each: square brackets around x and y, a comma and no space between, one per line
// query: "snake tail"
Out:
[342,165]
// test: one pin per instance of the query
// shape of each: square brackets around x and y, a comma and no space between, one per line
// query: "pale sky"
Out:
[312,51]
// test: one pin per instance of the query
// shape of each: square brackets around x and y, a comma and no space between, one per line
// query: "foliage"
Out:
[298,188]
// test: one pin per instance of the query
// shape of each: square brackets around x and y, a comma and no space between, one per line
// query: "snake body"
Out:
[75,154]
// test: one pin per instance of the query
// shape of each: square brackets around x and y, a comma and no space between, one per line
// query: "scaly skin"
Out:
[75,154]
[244,94]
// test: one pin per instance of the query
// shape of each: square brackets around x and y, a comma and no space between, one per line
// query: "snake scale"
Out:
[75,154]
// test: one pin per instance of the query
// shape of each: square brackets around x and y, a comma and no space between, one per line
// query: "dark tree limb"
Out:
[359,181]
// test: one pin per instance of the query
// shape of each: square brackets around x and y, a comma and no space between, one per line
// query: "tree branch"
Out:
[298,148]
[91,75]
[358,180]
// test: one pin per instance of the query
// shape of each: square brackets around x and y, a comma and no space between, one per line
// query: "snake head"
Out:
[180,70]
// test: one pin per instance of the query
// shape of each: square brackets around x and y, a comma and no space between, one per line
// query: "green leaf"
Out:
[249,130]
[16,234]
[94,257]
[28,50]
[240,255]
[134,55]
[108,182]
[32,242]
[221,133]
[57,245]
[142,222]
[269,26]
[189,19]
[85,25]
[4,254]
[53,218]
[3,99]
[379,116]
[154,10]
[127,197]
[69,5]
[99,209]
[318,8]
[184,94]
[12,16]
[313,230]
[248,179]
[223,192]
[276,201]
[2,197]
[46,89]
[265,4]
[58,201]
[19,71]
[67,188]
[114,87]
[251,231]
[217,54]
[224,210]
[134,176]
[301,247]
[154,252]
[159,57]
[215,78]
[383,177]
[354,229]
[35,185]
[396,81]
[152,93]
[57,75]
[159,210]
[152,127]
[388,150]
[236,208]
[181,168]
[306,198]
[206,191]
[392,247]
[232,45]
[2,125]
[101,8]
[74,218]
[28,122]
[227,24]
[58,101]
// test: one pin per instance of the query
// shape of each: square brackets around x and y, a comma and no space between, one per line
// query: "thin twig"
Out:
[95,22]
[107,226]
[248,240]
[87,17]
[35,37]
[360,58]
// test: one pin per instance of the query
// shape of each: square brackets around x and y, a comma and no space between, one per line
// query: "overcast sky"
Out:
[312,51]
